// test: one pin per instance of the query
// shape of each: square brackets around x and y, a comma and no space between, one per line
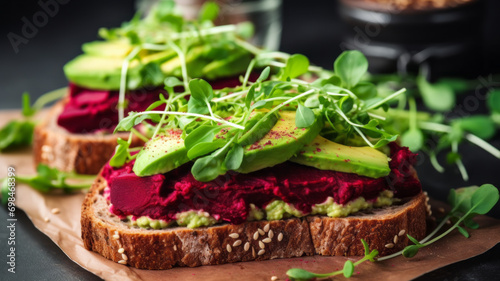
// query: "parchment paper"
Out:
[64,229]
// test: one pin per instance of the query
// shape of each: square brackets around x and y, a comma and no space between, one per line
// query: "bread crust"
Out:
[80,153]
[180,246]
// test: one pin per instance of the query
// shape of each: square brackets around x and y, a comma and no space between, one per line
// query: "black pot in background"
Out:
[448,42]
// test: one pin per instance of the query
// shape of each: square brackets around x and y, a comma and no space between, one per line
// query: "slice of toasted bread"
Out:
[107,235]
[80,153]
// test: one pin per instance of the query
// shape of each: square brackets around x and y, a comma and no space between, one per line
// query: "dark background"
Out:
[315,30]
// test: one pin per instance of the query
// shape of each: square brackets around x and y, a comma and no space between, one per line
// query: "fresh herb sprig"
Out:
[434,134]
[466,203]
[348,269]
[49,179]
[19,133]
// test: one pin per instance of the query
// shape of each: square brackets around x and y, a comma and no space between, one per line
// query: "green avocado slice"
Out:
[327,155]
[167,151]
[114,49]
[104,72]
[161,154]
[282,142]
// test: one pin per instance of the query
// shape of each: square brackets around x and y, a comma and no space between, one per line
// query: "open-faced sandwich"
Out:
[125,72]
[275,168]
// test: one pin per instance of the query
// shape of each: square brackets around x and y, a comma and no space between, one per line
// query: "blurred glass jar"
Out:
[264,14]
[444,36]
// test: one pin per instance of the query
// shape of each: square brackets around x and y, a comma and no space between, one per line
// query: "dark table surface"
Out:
[315,32]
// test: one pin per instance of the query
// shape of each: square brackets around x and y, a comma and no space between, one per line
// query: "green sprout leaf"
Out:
[121,154]
[438,97]
[365,90]
[203,148]
[207,168]
[479,125]
[484,199]
[494,100]
[304,117]
[250,96]
[413,139]
[264,75]
[27,110]
[468,222]
[203,133]
[127,123]
[296,65]
[245,29]
[350,66]
[463,231]
[346,104]
[209,11]
[197,106]
[412,239]
[201,90]
[16,134]
[173,82]
[300,274]
[410,251]
[460,199]
[234,157]
[348,269]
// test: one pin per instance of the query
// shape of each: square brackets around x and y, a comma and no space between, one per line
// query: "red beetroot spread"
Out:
[89,111]
[228,197]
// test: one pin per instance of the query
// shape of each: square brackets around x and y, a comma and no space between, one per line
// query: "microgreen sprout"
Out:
[465,204]
[347,271]
[48,179]
[19,133]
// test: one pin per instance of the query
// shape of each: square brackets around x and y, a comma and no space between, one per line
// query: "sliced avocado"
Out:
[167,152]
[159,57]
[327,155]
[200,66]
[104,73]
[173,66]
[95,72]
[234,63]
[109,49]
[282,142]
[161,154]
